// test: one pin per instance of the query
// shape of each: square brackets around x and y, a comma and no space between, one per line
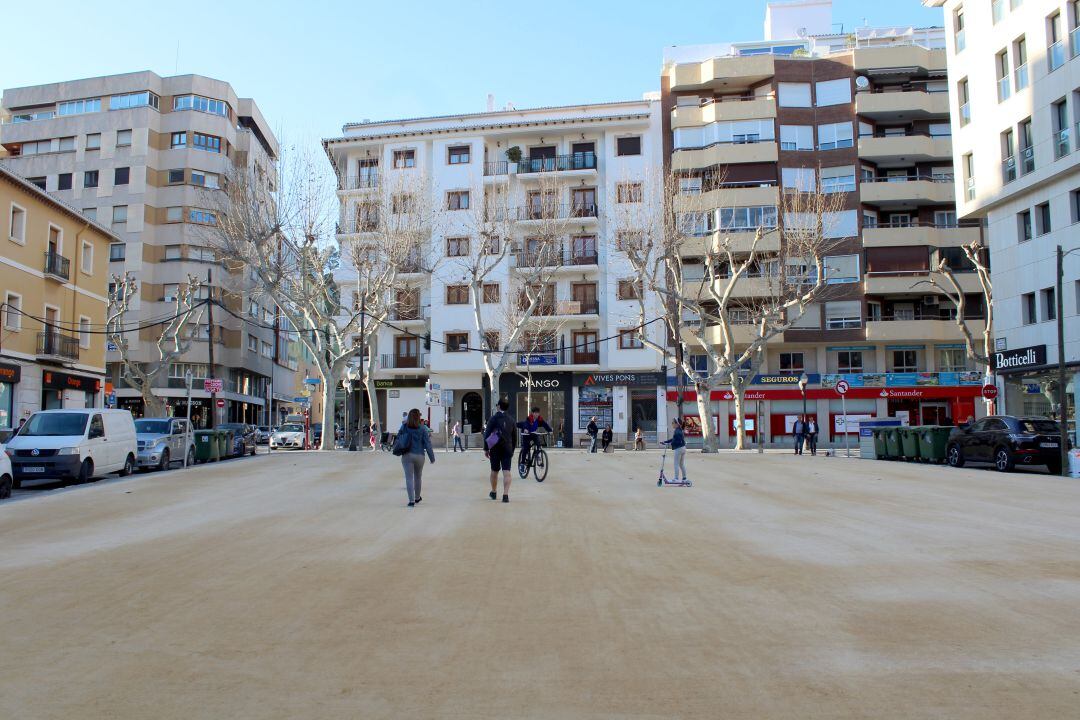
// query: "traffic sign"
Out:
[111,346]
[989,391]
[221,402]
[302,400]
[842,387]
[213,385]
[313,381]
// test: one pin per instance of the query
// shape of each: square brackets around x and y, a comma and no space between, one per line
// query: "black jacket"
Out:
[592,429]
[504,423]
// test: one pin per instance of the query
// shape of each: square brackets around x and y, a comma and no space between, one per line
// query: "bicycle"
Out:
[535,457]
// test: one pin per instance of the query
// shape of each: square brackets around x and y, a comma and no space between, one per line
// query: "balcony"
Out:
[929,328]
[728,73]
[1055,56]
[496,168]
[404,362]
[906,57]
[57,267]
[914,234]
[908,189]
[725,110]
[907,104]
[555,259]
[725,154]
[564,308]
[559,356]
[738,242]
[539,213]
[915,282]
[583,163]
[367,181]
[409,314]
[1061,143]
[730,195]
[57,346]
[905,149]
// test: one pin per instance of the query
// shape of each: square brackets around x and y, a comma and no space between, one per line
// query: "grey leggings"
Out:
[413,463]
[680,462]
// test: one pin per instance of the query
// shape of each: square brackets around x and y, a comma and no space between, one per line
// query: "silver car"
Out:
[163,441]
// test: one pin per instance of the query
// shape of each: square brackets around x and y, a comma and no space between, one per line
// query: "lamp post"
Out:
[187,436]
[1063,396]
[803,381]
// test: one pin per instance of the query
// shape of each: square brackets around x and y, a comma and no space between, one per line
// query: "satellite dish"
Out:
[861,82]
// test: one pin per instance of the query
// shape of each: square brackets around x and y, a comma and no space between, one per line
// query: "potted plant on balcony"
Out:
[513,154]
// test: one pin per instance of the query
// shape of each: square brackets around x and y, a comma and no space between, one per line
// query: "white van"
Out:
[75,444]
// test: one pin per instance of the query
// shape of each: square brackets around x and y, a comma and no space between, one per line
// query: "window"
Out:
[267,350]
[997,11]
[1020,73]
[457,294]
[13,312]
[1027,149]
[796,137]
[791,362]
[253,343]
[79,107]
[206,143]
[176,177]
[86,258]
[457,247]
[1001,67]
[90,213]
[843,315]
[133,100]
[800,179]
[201,217]
[968,164]
[491,293]
[1042,218]
[491,340]
[93,141]
[206,179]
[492,247]
[17,225]
[905,361]
[203,254]
[833,92]
[628,192]
[67,144]
[401,204]
[958,29]
[123,138]
[748,218]
[174,214]
[628,145]
[90,179]
[945,218]
[835,135]
[84,332]
[689,186]
[1055,50]
[63,181]
[1029,309]
[457,342]
[849,361]
[630,340]
[202,104]
[178,140]
[172,252]
[1074,206]
[458,155]
[962,102]
[629,290]
[1061,129]
[794,94]
[842,269]
[121,176]
[119,214]
[626,240]
[838,179]
[1049,304]
[404,159]
[117,252]
[951,359]
[457,200]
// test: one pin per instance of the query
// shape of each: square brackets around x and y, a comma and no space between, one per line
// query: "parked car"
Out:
[74,444]
[163,441]
[262,434]
[6,476]
[289,436]
[243,438]
[316,434]
[1007,441]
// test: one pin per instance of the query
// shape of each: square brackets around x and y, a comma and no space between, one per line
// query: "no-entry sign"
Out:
[989,391]
[221,402]
[842,387]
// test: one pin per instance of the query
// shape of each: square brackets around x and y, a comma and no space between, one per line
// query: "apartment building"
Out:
[53,285]
[138,153]
[1014,78]
[585,161]
[864,113]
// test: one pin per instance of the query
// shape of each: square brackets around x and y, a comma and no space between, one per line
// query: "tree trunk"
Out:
[153,406]
[373,397]
[328,392]
[493,379]
[737,392]
[708,435]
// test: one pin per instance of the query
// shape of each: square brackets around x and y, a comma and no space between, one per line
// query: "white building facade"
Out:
[593,158]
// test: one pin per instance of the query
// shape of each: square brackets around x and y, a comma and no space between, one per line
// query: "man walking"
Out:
[499,447]
[457,437]
[811,435]
[799,430]
[592,429]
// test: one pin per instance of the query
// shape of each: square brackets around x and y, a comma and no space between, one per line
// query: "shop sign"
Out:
[10,373]
[864,380]
[538,358]
[857,393]
[213,385]
[629,379]
[63,381]
[812,379]
[513,382]
[400,383]
[1032,356]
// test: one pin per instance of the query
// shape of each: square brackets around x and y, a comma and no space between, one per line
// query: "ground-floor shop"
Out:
[1029,386]
[26,387]
[233,408]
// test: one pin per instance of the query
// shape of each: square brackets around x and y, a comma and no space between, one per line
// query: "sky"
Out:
[314,65]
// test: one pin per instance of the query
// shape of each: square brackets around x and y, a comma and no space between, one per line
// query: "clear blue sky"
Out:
[313,65]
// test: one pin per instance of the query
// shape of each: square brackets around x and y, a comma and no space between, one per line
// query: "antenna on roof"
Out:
[491,102]
[176,68]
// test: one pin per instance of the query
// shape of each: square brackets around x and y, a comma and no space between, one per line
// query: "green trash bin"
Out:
[881,451]
[892,443]
[207,448]
[225,443]
[909,441]
[933,439]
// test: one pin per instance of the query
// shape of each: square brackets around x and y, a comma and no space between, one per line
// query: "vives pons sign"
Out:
[1019,358]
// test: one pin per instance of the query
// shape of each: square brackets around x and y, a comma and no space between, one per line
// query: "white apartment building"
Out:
[137,152]
[593,157]
[1014,74]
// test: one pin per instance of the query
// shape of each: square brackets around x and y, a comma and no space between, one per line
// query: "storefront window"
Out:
[595,400]
[7,398]
[552,409]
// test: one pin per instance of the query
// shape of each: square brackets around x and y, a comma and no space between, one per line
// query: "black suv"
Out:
[1007,441]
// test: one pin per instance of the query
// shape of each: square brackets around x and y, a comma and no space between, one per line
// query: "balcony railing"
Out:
[554,212]
[914,177]
[1027,160]
[969,191]
[57,345]
[496,167]
[1008,170]
[554,259]
[576,161]
[1055,56]
[408,314]
[359,182]
[57,266]
[1020,75]
[965,114]
[1061,143]
[1074,41]
[403,362]
[558,356]
[550,308]
[1004,89]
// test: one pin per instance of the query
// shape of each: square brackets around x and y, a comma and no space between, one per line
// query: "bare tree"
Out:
[729,279]
[173,340]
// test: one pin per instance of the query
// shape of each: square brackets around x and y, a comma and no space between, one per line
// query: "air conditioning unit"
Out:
[930,300]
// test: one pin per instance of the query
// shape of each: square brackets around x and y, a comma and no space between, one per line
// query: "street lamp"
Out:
[1063,396]
[187,437]
[803,381]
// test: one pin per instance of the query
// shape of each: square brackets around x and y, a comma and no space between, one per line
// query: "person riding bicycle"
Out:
[529,427]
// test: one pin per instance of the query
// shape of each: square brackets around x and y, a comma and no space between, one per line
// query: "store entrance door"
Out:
[552,408]
[935,413]
[472,413]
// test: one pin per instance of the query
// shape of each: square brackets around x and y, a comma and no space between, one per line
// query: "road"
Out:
[300,586]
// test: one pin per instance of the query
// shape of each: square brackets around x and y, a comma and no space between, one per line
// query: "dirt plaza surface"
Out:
[300,586]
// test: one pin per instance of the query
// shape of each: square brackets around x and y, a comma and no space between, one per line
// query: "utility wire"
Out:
[72,328]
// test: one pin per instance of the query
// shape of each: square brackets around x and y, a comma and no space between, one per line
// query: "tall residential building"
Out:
[579,163]
[137,152]
[863,113]
[53,285]
[1014,76]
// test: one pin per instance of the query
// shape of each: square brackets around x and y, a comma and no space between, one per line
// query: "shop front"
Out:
[397,396]
[623,401]
[551,392]
[1030,385]
[65,390]
[9,378]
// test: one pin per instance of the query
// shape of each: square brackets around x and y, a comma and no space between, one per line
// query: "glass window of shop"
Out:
[7,402]
[552,408]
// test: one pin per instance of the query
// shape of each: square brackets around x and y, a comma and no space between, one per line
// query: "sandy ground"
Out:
[299,586]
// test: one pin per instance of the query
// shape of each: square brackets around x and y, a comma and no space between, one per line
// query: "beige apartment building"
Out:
[138,152]
[53,285]
[863,113]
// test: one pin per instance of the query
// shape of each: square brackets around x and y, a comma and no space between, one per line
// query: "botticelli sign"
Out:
[1020,358]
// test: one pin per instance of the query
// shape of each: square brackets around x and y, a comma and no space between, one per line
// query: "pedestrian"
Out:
[22,421]
[799,430]
[417,439]
[811,435]
[499,448]
[374,435]
[678,444]
[639,440]
[531,426]
[605,438]
[592,429]
[457,437]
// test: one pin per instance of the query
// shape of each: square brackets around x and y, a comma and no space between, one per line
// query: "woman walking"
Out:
[414,436]
[678,444]
[457,437]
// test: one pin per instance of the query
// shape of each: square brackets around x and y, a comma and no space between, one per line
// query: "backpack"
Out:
[403,442]
[501,438]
